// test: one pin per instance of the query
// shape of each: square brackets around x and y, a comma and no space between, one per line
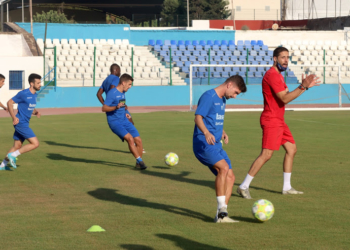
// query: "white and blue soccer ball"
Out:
[263,210]
[171,159]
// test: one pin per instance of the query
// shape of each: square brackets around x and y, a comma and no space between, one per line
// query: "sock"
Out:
[221,203]
[286,181]
[4,163]
[16,153]
[138,159]
[245,184]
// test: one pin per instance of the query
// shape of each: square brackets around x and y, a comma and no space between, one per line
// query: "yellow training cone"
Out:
[95,228]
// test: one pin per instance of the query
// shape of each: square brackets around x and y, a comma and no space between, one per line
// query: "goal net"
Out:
[332,94]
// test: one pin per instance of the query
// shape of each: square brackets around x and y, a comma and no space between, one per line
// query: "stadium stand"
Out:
[75,61]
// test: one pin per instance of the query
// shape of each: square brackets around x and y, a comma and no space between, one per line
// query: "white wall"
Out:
[28,64]
[13,45]
[248,6]
[273,38]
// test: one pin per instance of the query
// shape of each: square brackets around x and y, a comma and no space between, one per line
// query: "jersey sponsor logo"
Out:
[118,96]
[29,97]
[216,103]
[219,117]
[32,105]
[219,123]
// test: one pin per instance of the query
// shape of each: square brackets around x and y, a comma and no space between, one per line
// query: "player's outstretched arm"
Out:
[4,107]
[99,96]
[106,108]
[12,113]
[307,82]
[200,124]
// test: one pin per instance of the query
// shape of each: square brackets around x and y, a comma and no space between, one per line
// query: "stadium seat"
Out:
[190,47]
[72,41]
[217,42]
[228,53]
[194,42]
[181,42]
[173,42]
[224,42]
[125,41]
[182,47]
[224,47]
[187,42]
[231,42]
[210,42]
[260,42]
[167,42]
[202,42]
[199,47]
[253,42]
[151,42]
[219,53]
[159,42]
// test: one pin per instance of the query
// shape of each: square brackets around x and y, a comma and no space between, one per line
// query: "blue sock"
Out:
[138,160]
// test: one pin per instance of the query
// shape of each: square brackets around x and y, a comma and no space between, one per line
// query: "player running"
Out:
[114,106]
[26,100]
[109,83]
[2,83]
[208,131]
[275,130]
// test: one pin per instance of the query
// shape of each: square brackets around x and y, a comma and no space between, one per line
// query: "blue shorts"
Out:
[23,133]
[122,129]
[208,155]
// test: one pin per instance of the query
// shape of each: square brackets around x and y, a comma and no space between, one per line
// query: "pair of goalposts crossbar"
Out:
[257,66]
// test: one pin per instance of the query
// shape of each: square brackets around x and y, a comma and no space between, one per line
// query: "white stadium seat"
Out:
[78,58]
[83,47]
[103,41]
[102,58]
[76,64]
[121,52]
[81,52]
[64,70]
[72,70]
[110,41]
[123,47]
[88,41]
[147,69]
[105,52]
[62,76]
[68,64]
[335,43]
[125,41]
[96,41]
[118,41]
[291,42]
[81,70]
[101,64]
[74,46]
[80,41]
[153,75]
[91,47]
[85,64]
[59,64]
[66,46]
[89,52]
[56,42]
[87,76]
[64,41]
[145,75]
[61,58]
[73,52]
[72,41]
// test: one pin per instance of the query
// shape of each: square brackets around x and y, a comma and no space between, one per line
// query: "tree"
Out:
[197,9]
[51,17]
[217,9]
[169,11]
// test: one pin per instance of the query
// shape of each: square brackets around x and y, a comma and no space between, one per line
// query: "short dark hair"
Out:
[2,77]
[113,67]
[278,50]
[32,78]
[238,80]
[125,77]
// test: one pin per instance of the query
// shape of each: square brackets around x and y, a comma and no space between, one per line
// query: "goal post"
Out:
[331,95]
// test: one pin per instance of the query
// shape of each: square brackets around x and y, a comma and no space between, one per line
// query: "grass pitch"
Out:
[83,175]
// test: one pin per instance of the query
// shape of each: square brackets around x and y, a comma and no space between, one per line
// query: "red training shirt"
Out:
[273,114]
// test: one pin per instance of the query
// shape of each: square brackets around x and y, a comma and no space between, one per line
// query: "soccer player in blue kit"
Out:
[26,100]
[2,83]
[208,132]
[114,106]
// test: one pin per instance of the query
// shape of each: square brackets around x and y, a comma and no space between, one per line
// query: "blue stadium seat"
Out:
[202,42]
[231,42]
[270,53]
[163,53]
[243,62]
[216,74]
[172,52]
[217,58]
[234,58]
[215,47]
[235,69]
[205,74]
[255,63]
[224,47]
[219,53]
[244,53]
[217,42]
[222,62]
[253,42]
[207,47]
[159,42]
[251,58]
[196,53]
[259,74]
[187,42]
[192,58]
[199,47]
[224,42]
[183,58]
[167,42]
[246,42]
[203,53]
[157,48]
[202,69]
[225,74]
[182,47]
[195,43]
[173,47]
[260,42]
[227,69]
[225,58]
[190,47]
[212,58]
[177,52]
[253,53]
[201,58]
[173,42]
[176,58]
[228,53]
[165,47]
[240,42]
[210,42]
[240,47]
[248,46]
[187,64]
[185,69]
[253,69]
[250,74]
[262,53]
[187,53]
[151,42]
[167,58]
[195,69]
[256,47]
[259,58]
[264,47]
[218,69]
[242,58]
[290,74]
[179,64]
[232,47]
[181,42]
[236,53]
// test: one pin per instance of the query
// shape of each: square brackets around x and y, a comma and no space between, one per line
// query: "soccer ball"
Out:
[263,210]
[171,159]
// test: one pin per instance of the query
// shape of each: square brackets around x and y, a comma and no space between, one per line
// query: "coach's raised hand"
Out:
[310,80]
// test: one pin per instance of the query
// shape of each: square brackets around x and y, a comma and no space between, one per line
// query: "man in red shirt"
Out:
[275,131]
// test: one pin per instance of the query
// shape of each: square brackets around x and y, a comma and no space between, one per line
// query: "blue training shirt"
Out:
[26,104]
[114,97]
[212,108]
[108,82]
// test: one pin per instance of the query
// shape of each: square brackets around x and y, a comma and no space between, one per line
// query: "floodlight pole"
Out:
[31,16]
[188,13]
[22,11]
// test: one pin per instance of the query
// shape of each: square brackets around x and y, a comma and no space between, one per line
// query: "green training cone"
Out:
[96,228]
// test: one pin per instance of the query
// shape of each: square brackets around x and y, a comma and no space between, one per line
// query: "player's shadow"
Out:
[187,244]
[135,247]
[112,195]
[52,143]
[59,157]
[182,177]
